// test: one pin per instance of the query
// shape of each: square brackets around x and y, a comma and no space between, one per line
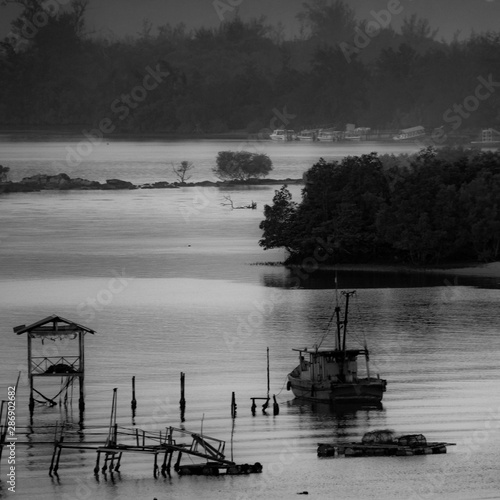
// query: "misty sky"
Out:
[122,17]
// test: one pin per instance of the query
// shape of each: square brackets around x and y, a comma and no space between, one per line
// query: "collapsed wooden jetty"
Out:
[173,440]
[384,443]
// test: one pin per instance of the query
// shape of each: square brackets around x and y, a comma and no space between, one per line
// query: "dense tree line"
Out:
[244,75]
[432,207]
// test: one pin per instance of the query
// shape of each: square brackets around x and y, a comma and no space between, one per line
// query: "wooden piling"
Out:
[182,401]
[133,403]
[233,406]
[276,408]
[268,376]
[96,468]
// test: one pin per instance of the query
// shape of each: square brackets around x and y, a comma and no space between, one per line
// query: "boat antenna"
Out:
[337,308]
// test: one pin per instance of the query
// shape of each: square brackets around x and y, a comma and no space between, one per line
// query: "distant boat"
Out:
[352,136]
[331,374]
[283,135]
[329,135]
[307,135]
[410,133]
[489,138]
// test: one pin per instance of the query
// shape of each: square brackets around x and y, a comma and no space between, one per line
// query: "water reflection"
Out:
[296,277]
[338,422]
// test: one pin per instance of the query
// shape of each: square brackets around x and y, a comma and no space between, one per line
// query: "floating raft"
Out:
[216,469]
[384,444]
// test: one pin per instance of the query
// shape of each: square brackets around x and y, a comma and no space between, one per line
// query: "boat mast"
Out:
[347,295]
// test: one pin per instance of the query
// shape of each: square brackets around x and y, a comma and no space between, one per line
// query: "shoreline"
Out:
[488,270]
[63,182]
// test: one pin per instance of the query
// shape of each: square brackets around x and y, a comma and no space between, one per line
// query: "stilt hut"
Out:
[63,358]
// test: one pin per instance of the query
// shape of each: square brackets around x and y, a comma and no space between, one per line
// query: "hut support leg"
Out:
[56,466]
[164,464]
[96,468]
[171,454]
[155,466]
[117,466]
[81,401]
[105,463]
[177,464]
[53,459]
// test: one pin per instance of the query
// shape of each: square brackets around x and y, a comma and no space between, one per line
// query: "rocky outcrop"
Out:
[63,181]
[118,184]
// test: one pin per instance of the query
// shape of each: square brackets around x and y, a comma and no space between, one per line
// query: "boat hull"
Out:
[364,391]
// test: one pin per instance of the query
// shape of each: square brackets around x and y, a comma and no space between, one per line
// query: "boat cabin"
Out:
[410,133]
[328,364]
[283,135]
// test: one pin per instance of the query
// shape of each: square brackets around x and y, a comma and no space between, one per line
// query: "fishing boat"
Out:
[283,135]
[329,135]
[307,135]
[410,133]
[330,374]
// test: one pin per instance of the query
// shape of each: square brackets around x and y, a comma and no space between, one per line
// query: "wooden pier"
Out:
[157,444]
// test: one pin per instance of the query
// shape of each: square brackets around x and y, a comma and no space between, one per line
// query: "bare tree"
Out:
[230,202]
[181,171]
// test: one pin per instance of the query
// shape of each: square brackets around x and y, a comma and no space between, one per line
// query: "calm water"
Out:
[150,161]
[192,299]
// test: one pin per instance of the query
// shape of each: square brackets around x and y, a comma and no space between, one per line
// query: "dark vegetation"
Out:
[241,75]
[242,165]
[428,208]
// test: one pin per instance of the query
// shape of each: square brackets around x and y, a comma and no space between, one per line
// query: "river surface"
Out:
[172,281]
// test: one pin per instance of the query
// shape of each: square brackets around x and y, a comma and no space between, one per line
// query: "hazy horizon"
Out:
[119,18]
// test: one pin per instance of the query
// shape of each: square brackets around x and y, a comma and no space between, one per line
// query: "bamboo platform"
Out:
[404,446]
[157,445]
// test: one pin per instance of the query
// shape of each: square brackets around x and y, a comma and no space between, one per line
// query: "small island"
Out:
[434,207]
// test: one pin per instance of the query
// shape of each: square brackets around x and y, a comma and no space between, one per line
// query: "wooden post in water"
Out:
[233,406]
[266,404]
[133,404]
[276,408]
[268,378]
[81,377]
[182,402]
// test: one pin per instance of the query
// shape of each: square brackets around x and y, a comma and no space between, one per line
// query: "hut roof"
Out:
[53,324]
